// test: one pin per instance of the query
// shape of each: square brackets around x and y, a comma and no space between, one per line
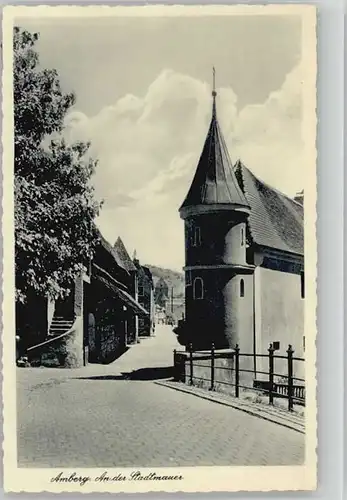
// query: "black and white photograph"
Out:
[159,194]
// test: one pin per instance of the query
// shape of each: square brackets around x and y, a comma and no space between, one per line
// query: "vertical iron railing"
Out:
[212,368]
[271,374]
[290,352]
[237,370]
[176,377]
[191,363]
[208,375]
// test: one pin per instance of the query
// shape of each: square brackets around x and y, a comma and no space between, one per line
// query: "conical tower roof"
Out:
[214,186]
[123,255]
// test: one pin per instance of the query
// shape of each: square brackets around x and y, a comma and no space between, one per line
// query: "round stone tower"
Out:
[215,212]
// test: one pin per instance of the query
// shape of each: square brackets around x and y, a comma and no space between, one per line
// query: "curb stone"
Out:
[294,425]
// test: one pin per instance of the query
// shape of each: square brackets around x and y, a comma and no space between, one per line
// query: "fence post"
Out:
[237,370]
[175,365]
[290,352]
[212,367]
[191,363]
[271,373]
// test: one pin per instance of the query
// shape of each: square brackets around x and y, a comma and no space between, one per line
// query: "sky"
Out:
[143,89]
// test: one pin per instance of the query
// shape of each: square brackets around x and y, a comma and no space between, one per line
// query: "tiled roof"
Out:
[275,220]
[214,181]
[108,247]
[123,295]
[148,273]
[124,256]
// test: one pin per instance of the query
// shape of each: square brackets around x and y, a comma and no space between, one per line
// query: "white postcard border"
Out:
[195,479]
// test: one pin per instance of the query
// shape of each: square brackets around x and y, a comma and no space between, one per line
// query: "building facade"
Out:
[161,292]
[91,325]
[132,284]
[145,299]
[244,260]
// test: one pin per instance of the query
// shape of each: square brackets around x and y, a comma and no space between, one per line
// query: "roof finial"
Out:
[214,93]
[135,255]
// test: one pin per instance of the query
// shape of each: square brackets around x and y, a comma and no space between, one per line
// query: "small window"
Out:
[188,278]
[141,291]
[197,237]
[242,236]
[276,345]
[304,343]
[242,288]
[198,289]
[302,278]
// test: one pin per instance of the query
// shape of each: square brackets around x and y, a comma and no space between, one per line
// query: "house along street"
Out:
[116,416]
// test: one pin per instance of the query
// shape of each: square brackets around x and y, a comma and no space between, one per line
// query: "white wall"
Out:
[279,316]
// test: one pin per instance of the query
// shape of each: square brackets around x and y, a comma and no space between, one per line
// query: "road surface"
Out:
[116,416]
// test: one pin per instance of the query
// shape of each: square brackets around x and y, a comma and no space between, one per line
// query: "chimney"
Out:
[299,197]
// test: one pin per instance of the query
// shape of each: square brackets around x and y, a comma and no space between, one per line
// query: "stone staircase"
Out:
[59,325]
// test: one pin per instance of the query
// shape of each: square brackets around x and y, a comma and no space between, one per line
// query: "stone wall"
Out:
[224,370]
[111,343]
[66,352]
[74,345]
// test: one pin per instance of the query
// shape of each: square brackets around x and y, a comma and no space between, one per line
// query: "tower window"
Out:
[242,236]
[242,288]
[141,290]
[188,278]
[198,289]
[302,279]
[197,237]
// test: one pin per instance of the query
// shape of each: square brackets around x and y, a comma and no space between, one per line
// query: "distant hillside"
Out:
[173,279]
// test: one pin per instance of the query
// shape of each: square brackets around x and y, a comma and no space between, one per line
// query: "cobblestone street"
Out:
[101,416]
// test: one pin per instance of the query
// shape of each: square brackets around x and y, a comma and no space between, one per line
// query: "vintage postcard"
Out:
[159,272]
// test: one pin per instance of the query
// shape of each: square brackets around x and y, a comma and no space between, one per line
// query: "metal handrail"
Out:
[49,341]
[289,390]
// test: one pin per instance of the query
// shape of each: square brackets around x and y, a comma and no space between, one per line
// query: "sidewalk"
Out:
[150,354]
[266,412]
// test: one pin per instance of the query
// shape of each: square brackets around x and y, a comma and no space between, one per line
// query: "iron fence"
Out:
[289,386]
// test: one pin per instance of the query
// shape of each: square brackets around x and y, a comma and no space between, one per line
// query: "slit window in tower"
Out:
[302,278]
[242,237]
[242,288]
[198,289]
[188,278]
[197,236]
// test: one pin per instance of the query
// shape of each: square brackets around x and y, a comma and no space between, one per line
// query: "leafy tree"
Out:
[54,200]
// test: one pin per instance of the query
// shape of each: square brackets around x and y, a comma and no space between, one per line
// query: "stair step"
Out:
[68,325]
[62,322]
[54,320]
[58,332]
[61,325]
[61,318]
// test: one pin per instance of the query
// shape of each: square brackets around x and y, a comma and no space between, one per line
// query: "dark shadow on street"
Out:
[94,359]
[156,373]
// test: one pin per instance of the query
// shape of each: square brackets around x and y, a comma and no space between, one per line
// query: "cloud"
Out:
[268,137]
[148,148]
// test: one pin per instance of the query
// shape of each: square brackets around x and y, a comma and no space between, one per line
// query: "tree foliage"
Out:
[54,200]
